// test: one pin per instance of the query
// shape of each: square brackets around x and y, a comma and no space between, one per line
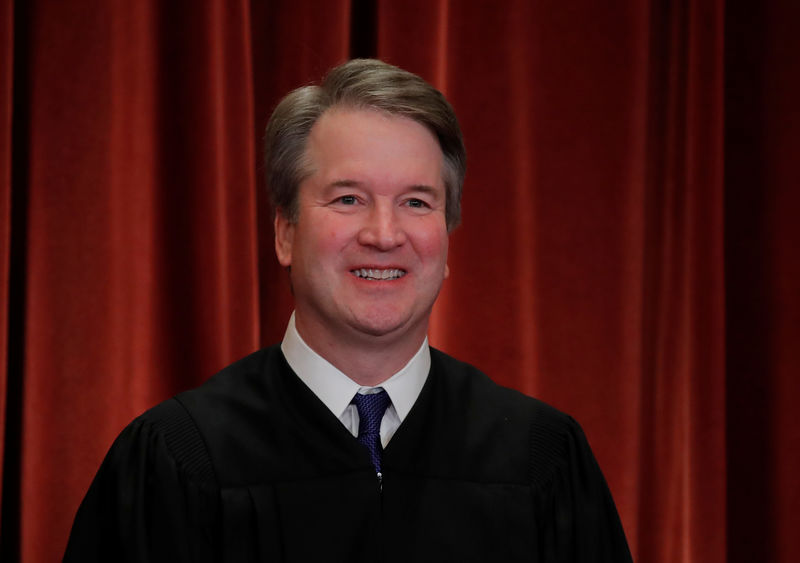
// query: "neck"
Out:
[366,359]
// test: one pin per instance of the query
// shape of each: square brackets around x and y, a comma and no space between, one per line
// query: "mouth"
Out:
[377,274]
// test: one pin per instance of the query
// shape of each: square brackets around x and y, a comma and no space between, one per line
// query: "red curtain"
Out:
[627,253]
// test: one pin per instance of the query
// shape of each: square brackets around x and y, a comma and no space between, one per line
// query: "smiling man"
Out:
[368,248]
[353,440]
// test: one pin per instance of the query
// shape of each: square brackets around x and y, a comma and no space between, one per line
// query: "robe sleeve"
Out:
[578,519]
[153,497]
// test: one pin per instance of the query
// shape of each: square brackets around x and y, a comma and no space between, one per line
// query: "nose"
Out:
[382,228]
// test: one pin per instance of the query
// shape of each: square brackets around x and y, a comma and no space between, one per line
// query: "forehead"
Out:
[344,141]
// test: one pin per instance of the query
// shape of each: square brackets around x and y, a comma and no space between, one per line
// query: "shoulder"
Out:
[229,385]
[516,425]
[236,385]
[188,426]
[475,386]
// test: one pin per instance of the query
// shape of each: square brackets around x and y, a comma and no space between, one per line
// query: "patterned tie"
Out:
[370,413]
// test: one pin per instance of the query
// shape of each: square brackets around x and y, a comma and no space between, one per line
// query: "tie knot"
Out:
[370,411]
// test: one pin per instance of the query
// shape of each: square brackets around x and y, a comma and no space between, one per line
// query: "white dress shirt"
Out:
[336,390]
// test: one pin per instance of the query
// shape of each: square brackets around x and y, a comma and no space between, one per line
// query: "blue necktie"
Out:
[370,413]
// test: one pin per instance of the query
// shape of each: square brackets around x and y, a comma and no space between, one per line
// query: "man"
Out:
[353,440]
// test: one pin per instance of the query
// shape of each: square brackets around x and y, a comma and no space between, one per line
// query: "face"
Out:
[368,253]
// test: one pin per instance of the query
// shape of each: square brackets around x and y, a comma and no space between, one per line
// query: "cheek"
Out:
[334,233]
[431,244]
[322,237]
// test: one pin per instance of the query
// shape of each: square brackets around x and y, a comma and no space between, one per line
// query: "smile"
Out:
[379,275]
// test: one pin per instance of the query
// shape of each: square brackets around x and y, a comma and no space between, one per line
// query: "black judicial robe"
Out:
[251,466]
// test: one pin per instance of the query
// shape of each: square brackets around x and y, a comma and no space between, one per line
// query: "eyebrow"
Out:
[424,188]
[346,183]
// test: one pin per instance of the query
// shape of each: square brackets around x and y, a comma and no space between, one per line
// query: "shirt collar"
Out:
[336,390]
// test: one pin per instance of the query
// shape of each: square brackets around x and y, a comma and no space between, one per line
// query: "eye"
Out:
[417,203]
[347,200]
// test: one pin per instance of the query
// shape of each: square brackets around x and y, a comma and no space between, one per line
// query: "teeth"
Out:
[375,274]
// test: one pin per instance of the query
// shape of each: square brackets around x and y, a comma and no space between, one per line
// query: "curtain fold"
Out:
[762,121]
[141,253]
[6,106]
[683,369]
[294,44]
[627,251]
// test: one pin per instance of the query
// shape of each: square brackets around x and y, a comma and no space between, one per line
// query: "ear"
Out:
[284,239]
[446,271]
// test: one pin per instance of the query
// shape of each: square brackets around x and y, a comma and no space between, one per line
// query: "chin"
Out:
[378,329]
[377,324]
[391,322]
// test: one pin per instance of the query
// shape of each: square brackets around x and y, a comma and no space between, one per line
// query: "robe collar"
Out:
[336,390]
